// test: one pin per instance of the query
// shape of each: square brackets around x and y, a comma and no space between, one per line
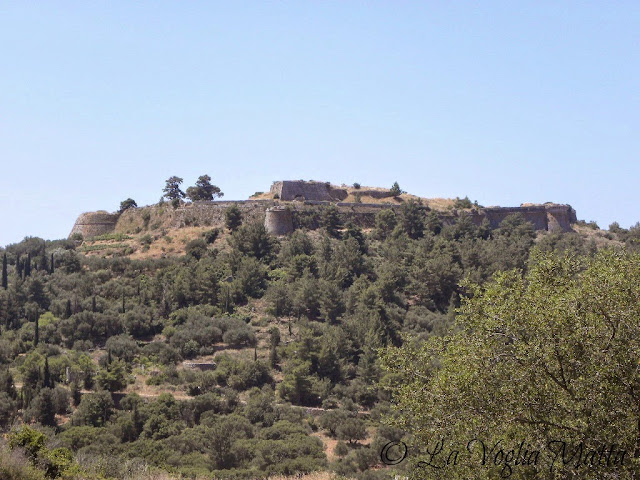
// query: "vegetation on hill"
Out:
[245,356]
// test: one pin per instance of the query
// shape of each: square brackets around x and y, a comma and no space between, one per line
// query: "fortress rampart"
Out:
[283,218]
[92,224]
[299,204]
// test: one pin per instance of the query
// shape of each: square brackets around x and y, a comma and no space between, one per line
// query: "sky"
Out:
[503,102]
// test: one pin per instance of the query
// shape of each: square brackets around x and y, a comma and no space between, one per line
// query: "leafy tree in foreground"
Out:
[544,358]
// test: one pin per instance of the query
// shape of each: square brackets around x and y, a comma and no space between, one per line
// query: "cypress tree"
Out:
[123,305]
[52,265]
[42,264]
[93,304]
[46,380]
[67,310]
[27,266]
[18,266]
[5,278]
[37,335]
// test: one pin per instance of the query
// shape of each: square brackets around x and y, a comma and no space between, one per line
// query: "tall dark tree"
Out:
[204,190]
[27,266]
[5,278]
[19,266]
[36,338]
[172,189]
[46,374]
[52,266]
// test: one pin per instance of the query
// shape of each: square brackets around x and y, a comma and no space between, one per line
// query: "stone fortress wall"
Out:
[92,224]
[299,204]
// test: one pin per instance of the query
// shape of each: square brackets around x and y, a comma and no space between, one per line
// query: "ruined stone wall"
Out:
[560,217]
[92,224]
[213,213]
[537,215]
[308,214]
[289,190]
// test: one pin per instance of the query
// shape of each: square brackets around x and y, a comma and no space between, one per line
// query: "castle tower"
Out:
[278,221]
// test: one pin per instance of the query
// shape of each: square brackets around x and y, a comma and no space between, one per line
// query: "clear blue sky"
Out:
[506,102]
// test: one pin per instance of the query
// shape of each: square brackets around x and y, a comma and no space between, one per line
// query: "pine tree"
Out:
[5,278]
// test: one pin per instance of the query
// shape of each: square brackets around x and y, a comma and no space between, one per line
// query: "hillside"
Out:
[206,352]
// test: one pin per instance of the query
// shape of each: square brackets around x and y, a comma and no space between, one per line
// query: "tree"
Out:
[413,219]
[114,377]
[172,188]
[94,409]
[4,272]
[204,190]
[385,223]
[550,356]
[352,430]
[233,218]
[331,221]
[127,204]
[395,190]
[43,408]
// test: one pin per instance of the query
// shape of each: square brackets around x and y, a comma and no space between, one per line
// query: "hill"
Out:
[208,352]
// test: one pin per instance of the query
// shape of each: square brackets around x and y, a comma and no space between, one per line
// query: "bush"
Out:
[196,248]
[210,236]
[239,337]
[462,203]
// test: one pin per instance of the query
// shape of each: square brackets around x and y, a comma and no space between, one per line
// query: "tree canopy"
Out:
[203,190]
[549,358]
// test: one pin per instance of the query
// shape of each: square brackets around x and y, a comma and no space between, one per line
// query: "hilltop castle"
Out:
[297,204]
